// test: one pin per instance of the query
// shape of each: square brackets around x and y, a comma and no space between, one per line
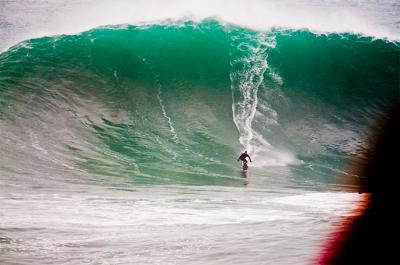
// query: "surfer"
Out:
[243,157]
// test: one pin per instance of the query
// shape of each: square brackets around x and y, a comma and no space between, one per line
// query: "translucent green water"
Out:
[177,103]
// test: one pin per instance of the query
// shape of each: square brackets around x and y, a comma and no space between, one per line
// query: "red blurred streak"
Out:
[340,238]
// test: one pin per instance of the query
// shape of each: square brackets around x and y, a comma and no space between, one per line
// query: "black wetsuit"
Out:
[243,157]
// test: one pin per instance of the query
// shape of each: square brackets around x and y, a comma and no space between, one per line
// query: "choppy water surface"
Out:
[168,225]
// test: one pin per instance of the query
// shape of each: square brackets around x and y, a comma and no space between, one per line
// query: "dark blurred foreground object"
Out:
[373,237]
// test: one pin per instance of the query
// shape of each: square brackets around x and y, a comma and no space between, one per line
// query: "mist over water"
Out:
[22,20]
[121,123]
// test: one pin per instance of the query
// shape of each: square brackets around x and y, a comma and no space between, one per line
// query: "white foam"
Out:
[248,80]
[245,106]
[259,14]
[31,19]
[332,202]
[156,210]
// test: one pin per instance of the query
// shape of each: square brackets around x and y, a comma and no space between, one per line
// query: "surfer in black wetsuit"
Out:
[243,157]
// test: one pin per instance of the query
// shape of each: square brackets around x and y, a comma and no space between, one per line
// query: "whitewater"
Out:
[121,123]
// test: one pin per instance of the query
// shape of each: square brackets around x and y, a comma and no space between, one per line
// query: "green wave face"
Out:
[177,103]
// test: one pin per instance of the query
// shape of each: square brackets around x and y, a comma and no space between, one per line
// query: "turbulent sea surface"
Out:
[119,141]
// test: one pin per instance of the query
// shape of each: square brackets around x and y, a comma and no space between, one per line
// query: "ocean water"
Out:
[121,123]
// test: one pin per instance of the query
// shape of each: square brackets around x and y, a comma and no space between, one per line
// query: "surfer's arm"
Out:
[249,158]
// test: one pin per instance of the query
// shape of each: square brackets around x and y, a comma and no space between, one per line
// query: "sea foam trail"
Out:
[246,79]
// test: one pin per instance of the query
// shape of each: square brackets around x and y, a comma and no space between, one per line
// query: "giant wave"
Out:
[176,102]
